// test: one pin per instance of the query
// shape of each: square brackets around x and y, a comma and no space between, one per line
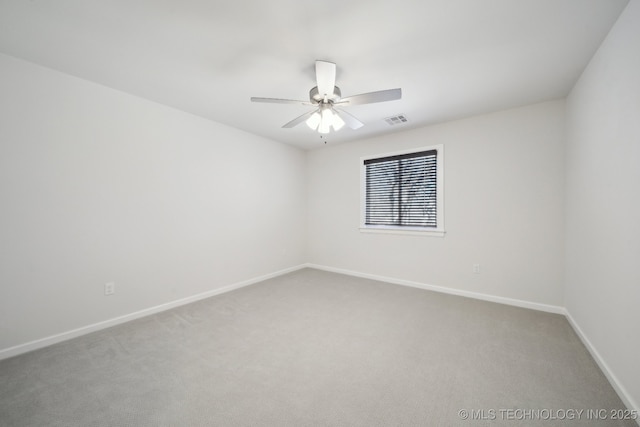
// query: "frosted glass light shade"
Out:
[337,122]
[326,121]
[314,121]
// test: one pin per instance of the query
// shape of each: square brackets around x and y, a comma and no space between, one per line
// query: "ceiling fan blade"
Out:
[372,97]
[279,101]
[350,121]
[325,78]
[300,119]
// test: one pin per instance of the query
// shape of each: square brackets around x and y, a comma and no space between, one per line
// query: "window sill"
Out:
[403,230]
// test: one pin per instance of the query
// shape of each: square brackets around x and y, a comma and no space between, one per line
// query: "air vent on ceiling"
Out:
[396,120]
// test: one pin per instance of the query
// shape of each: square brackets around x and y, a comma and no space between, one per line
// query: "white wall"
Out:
[504,193]
[603,202]
[97,185]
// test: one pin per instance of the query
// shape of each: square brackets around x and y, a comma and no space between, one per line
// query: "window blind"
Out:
[401,190]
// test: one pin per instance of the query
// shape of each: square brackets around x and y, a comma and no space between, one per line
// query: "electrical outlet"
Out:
[476,268]
[109,288]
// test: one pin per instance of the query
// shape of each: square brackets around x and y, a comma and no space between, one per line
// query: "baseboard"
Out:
[47,341]
[442,289]
[629,402]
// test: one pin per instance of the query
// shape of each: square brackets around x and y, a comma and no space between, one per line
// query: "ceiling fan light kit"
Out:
[326,95]
[324,119]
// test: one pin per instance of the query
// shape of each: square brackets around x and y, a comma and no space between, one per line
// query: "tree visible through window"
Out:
[402,190]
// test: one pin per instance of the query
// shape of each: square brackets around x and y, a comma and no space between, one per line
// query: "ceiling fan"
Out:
[327,96]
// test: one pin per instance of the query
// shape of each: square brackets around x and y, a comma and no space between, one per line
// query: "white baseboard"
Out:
[44,342]
[629,402]
[476,295]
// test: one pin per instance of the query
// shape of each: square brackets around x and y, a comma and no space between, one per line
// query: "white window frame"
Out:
[437,231]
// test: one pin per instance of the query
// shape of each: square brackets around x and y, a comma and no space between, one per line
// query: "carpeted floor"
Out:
[313,348]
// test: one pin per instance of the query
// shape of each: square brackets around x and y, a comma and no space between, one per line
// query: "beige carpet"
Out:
[313,348]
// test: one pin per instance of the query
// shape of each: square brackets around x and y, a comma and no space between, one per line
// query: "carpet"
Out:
[314,348]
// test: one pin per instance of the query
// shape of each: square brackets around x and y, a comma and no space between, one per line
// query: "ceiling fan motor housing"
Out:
[316,98]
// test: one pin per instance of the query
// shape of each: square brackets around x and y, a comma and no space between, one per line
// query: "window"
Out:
[402,192]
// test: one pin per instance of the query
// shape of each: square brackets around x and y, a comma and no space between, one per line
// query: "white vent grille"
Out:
[396,120]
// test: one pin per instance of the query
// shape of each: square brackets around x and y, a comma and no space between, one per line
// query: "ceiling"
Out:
[452,58]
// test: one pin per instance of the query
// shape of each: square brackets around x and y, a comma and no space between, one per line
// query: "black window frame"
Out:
[402,191]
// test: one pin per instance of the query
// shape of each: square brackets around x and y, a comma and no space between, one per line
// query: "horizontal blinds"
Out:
[401,190]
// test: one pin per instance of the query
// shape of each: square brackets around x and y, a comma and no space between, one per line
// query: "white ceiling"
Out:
[452,58]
